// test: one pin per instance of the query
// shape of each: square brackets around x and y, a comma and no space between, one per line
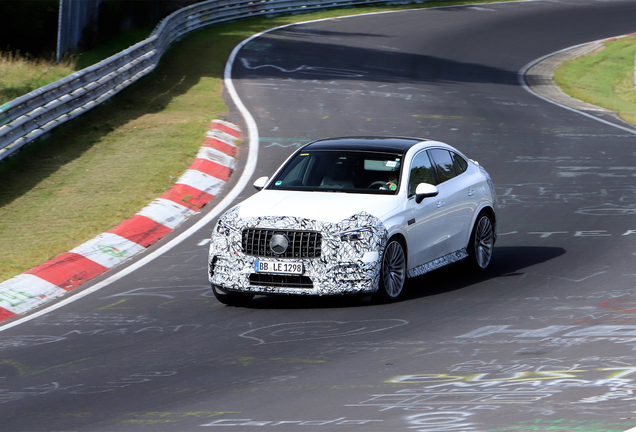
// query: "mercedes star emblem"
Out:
[279,243]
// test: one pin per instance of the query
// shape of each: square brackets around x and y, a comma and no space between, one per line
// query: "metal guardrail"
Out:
[28,117]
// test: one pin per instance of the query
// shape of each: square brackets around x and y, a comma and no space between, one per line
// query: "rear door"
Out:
[458,190]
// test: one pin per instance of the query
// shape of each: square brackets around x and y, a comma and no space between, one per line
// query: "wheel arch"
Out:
[402,239]
[486,208]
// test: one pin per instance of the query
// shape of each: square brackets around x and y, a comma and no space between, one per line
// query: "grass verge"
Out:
[604,78]
[107,164]
[20,75]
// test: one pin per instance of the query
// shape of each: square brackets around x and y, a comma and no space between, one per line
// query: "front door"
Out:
[428,224]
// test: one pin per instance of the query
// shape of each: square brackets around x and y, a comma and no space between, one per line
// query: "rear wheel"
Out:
[393,271]
[482,242]
[231,298]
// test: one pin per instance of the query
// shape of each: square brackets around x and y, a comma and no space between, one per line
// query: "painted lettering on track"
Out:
[137,378]
[304,69]
[608,331]
[440,421]
[8,395]
[96,319]
[13,298]
[561,424]
[169,292]
[343,421]
[608,373]
[9,342]
[310,330]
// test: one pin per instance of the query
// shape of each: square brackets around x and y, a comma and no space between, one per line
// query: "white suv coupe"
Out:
[354,215]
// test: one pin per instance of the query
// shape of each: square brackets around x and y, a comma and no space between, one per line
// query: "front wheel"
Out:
[393,271]
[482,242]
[231,298]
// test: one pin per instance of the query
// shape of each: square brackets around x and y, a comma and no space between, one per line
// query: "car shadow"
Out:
[508,261]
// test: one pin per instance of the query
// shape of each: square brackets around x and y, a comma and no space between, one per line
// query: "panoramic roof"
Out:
[382,144]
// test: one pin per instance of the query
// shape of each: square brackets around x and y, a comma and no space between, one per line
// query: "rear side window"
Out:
[444,164]
[459,163]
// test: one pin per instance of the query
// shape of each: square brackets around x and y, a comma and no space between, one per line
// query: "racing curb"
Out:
[195,188]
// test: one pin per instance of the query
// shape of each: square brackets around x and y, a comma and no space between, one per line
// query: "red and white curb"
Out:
[195,188]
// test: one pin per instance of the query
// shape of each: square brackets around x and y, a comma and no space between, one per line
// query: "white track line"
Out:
[248,171]
[522,81]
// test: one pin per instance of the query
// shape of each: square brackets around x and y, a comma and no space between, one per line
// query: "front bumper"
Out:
[318,278]
[343,267]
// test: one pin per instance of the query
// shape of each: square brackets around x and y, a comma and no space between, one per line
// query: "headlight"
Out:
[223,228]
[355,234]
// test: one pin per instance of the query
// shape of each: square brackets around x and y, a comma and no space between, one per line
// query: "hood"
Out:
[323,206]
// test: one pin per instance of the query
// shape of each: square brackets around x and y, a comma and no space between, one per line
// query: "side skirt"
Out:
[437,263]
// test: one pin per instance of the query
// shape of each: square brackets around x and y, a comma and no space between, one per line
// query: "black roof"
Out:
[373,143]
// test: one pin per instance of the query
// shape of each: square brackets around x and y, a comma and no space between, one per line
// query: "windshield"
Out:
[341,171]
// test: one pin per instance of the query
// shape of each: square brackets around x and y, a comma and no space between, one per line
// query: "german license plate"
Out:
[278,267]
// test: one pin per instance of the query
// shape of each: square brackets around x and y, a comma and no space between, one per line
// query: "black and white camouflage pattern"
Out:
[342,268]
[437,263]
[339,270]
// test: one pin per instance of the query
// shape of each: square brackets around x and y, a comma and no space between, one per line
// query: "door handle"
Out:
[471,193]
[441,204]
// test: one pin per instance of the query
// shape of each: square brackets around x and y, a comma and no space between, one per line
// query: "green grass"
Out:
[107,164]
[20,75]
[604,78]
[112,47]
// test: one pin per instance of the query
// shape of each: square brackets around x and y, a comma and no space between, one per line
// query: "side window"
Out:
[444,165]
[422,171]
[459,163]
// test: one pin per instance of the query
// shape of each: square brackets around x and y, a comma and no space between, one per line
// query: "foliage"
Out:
[29,26]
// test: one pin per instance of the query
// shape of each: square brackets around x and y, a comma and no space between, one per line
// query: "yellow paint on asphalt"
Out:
[24,370]
[162,417]
[146,421]
[445,117]
[112,305]
[407,354]
[198,414]
[248,361]
[177,302]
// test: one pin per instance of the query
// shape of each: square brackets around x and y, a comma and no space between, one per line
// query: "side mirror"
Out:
[260,183]
[425,190]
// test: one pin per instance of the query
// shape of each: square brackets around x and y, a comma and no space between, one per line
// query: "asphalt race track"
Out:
[543,341]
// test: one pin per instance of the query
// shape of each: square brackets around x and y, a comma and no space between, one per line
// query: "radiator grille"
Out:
[302,244]
[280,281]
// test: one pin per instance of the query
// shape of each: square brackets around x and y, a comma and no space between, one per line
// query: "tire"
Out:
[482,242]
[392,272]
[231,298]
